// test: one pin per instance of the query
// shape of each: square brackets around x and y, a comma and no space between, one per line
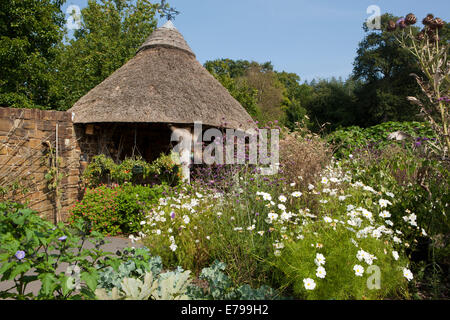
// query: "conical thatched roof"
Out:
[163,83]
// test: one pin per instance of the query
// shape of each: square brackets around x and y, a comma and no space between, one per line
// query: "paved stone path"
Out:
[112,244]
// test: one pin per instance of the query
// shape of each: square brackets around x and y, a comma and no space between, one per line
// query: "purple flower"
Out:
[63,238]
[172,215]
[20,254]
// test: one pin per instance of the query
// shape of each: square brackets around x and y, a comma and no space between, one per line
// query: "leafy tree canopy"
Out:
[384,69]
[111,32]
[30,30]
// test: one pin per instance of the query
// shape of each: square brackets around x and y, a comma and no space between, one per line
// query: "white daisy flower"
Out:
[407,274]
[309,284]
[385,214]
[359,270]
[320,272]
[319,260]
[384,203]
[282,198]
[272,216]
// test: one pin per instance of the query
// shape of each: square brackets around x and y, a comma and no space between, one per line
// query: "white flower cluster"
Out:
[367,257]
[411,219]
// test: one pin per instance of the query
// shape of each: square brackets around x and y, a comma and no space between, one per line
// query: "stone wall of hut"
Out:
[26,139]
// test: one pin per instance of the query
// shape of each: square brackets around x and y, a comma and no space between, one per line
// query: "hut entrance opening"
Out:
[120,141]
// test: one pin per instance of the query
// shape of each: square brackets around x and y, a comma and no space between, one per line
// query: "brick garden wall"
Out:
[23,164]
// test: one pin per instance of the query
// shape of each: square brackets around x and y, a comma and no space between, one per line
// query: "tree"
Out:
[111,33]
[298,96]
[384,68]
[229,74]
[266,94]
[332,103]
[30,30]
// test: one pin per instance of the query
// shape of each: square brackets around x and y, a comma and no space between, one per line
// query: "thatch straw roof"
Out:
[163,83]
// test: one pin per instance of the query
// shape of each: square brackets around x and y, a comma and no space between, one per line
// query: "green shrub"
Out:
[420,183]
[352,139]
[220,287]
[340,281]
[115,210]
[29,243]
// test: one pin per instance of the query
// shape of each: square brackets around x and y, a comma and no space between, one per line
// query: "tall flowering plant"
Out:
[431,53]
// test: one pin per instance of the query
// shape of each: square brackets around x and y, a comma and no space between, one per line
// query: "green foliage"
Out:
[103,170]
[226,73]
[418,183]
[130,263]
[30,32]
[384,69]
[111,32]
[29,243]
[265,94]
[115,210]
[421,183]
[352,139]
[331,102]
[341,283]
[220,287]
[298,97]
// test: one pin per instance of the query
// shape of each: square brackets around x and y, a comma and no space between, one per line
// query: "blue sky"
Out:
[315,39]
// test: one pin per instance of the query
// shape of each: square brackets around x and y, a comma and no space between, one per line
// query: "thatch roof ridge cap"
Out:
[166,35]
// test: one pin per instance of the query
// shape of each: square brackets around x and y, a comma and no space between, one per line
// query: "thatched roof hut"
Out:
[163,83]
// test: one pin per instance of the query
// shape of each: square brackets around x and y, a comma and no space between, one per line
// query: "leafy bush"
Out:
[220,287]
[29,243]
[115,210]
[340,281]
[129,263]
[351,139]
[103,170]
[420,182]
